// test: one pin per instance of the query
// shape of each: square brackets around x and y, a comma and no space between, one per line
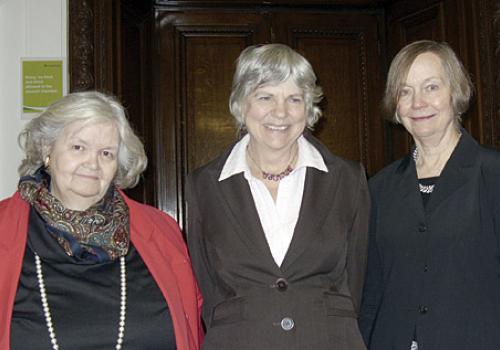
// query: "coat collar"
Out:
[14,222]
[146,226]
[319,189]
[456,173]
[314,208]
[243,215]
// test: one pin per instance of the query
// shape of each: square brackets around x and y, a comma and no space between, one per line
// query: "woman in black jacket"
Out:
[433,279]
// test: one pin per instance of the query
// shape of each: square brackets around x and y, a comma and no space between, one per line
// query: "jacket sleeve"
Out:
[372,292]
[198,251]
[490,173]
[357,241]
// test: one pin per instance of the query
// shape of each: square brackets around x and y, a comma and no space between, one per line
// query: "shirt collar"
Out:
[236,163]
[309,156]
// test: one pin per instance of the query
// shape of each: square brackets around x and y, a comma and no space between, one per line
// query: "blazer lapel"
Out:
[319,188]
[407,186]
[456,173]
[243,215]
[14,223]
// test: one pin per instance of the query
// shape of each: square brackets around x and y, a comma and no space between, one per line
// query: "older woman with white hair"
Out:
[277,225]
[82,266]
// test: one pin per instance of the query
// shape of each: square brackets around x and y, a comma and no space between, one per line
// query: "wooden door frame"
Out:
[94,45]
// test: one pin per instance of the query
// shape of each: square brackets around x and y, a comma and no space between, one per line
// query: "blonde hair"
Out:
[458,78]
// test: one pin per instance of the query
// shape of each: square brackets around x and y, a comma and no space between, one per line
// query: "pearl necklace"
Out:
[46,308]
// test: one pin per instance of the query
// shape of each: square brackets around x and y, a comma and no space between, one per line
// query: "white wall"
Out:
[28,28]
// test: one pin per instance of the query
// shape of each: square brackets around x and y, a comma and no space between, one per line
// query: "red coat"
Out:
[157,238]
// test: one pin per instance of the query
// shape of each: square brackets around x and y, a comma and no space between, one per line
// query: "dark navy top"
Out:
[428,181]
[84,300]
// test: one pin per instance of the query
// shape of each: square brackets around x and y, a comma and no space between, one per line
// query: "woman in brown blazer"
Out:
[277,226]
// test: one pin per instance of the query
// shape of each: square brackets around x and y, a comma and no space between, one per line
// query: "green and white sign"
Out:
[42,84]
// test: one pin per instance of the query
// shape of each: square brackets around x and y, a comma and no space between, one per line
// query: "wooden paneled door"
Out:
[194,68]
[344,50]
[197,53]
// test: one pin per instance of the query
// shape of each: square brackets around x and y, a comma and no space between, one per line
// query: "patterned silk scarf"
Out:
[98,234]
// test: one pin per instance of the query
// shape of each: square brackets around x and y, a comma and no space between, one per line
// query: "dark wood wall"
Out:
[171,63]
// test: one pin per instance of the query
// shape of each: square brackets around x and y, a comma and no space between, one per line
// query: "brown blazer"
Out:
[312,301]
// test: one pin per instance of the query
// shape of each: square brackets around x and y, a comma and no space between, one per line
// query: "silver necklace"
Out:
[423,188]
[48,316]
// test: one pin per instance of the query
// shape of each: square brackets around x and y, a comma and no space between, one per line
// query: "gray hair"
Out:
[458,78]
[90,107]
[272,64]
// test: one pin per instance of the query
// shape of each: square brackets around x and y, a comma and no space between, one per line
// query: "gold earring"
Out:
[46,162]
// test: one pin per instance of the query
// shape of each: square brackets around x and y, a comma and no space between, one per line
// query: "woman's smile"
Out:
[277,127]
[275,116]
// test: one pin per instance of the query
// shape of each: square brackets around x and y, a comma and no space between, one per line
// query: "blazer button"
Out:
[287,324]
[281,284]
[422,228]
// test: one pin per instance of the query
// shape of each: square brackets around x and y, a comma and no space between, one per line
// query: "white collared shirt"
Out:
[278,219]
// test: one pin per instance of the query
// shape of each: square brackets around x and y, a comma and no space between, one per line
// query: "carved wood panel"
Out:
[344,52]
[81,45]
[197,52]
[94,45]
[485,59]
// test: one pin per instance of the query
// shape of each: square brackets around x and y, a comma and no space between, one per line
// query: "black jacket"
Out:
[435,270]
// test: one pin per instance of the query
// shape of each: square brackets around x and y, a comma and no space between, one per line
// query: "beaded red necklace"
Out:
[275,177]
